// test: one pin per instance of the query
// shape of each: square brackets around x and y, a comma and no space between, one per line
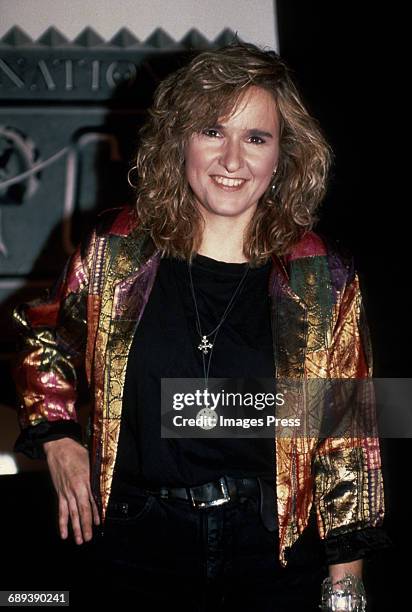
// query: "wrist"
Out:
[59,443]
[340,570]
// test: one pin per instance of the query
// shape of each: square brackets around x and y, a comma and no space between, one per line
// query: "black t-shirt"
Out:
[165,346]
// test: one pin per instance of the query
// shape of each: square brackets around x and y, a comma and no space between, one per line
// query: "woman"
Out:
[216,273]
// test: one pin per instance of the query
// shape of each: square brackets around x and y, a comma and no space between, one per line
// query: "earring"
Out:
[273,185]
[128,177]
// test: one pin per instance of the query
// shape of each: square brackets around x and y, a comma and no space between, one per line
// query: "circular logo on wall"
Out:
[18,155]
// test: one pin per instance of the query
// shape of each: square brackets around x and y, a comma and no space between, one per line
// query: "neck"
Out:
[222,239]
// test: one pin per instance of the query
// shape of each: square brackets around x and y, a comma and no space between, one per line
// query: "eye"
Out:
[257,140]
[211,132]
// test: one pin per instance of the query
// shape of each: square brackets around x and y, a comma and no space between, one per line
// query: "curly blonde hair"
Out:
[197,96]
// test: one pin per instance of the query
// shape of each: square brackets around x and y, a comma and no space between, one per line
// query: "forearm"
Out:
[338,570]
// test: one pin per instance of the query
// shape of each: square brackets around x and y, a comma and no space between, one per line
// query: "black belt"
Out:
[213,493]
[219,492]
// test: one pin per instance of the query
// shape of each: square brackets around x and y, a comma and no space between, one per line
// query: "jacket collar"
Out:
[134,255]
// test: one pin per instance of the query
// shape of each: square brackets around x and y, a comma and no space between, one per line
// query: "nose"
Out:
[231,158]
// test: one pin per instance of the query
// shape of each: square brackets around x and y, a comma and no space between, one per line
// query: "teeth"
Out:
[228,182]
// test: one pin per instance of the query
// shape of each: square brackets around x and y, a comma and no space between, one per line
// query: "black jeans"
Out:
[170,553]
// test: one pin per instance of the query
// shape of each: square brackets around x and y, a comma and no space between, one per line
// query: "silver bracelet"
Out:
[344,595]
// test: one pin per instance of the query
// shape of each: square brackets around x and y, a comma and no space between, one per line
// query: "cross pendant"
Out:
[205,345]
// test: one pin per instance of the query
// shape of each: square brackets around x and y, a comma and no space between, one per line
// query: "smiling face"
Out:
[229,165]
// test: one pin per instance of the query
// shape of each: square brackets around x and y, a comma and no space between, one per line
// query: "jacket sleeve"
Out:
[52,338]
[349,494]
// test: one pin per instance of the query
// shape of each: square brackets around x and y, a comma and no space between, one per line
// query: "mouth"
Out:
[229,184]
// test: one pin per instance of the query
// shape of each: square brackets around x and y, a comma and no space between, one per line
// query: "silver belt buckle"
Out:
[216,502]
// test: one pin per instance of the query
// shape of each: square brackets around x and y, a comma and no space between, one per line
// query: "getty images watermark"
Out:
[286,407]
[207,402]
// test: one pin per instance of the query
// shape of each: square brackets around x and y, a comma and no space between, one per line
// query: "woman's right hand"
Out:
[69,467]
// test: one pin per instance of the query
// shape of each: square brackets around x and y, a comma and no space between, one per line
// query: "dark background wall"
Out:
[349,62]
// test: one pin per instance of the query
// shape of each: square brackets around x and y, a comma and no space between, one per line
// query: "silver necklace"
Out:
[208,340]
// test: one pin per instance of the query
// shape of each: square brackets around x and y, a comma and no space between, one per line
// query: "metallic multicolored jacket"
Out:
[319,331]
